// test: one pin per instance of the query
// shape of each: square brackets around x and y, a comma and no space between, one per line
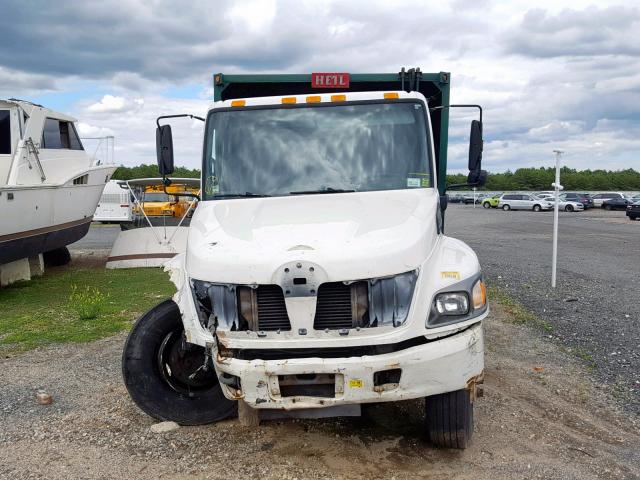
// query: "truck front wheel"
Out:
[165,375]
[449,419]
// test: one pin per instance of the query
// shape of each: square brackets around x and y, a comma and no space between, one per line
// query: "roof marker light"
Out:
[390,95]
[338,98]
[313,99]
[238,103]
[289,100]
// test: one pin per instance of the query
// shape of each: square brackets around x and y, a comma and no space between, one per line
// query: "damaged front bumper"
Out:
[438,366]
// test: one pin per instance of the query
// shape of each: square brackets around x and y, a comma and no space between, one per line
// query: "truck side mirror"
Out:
[477,176]
[475,146]
[164,149]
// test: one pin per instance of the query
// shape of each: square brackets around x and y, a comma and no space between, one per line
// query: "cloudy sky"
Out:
[563,74]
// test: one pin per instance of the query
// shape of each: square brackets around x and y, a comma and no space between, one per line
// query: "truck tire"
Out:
[506,208]
[156,365]
[57,257]
[449,419]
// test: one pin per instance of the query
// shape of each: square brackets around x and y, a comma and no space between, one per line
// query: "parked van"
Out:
[115,204]
[523,201]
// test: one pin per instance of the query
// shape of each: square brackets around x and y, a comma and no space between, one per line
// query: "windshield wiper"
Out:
[324,190]
[237,195]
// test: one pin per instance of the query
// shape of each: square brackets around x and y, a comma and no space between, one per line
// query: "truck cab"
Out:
[317,276]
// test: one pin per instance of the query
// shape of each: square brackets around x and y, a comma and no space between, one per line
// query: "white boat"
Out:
[151,241]
[49,185]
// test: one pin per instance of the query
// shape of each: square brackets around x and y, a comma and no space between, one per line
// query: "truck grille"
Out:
[272,312]
[334,310]
[334,307]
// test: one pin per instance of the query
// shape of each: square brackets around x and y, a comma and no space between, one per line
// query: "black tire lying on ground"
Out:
[57,257]
[449,419]
[157,364]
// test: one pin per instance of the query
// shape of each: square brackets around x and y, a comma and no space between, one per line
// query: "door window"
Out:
[5,131]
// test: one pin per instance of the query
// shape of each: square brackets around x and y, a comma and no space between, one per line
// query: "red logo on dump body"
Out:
[329,80]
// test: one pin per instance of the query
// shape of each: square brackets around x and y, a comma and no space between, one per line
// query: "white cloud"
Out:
[114,104]
[86,130]
[134,128]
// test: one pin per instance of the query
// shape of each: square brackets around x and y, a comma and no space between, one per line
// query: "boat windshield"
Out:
[272,151]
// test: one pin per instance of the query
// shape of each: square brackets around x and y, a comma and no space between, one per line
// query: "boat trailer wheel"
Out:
[182,365]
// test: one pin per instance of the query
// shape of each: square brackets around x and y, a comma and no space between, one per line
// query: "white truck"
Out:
[115,204]
[317,276]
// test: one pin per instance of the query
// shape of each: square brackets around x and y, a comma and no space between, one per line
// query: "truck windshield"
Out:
[316,149]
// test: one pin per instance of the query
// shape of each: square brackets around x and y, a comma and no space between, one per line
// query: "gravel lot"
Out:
[540,417]
[595,310]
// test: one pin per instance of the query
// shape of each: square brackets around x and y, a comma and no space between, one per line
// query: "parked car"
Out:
[583,198]
[567,205]
[457,198]
[518,201]
[599,198]
[633,210]
[491,202]
[616,203]
[469,199]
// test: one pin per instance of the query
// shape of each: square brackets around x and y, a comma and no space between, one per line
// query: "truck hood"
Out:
[350,236]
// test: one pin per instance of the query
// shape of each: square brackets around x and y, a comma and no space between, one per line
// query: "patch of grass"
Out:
[46,310]
[517,312]
[585,356]
[86,303]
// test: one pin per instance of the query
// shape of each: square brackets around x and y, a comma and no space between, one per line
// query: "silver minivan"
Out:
[523,201]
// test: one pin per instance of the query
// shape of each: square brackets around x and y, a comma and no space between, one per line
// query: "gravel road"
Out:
[540,417]
[595,310]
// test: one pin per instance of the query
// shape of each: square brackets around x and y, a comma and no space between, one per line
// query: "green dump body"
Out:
[434,86]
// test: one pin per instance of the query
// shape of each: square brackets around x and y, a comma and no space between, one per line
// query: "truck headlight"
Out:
[456,303]
[459,302]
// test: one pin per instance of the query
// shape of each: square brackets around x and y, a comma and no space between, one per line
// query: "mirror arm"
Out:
[461,105]
[460,185]
[167,181]
[178,116]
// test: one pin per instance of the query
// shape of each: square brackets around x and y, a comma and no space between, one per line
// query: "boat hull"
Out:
[147,247]
[38,219]
[33,242]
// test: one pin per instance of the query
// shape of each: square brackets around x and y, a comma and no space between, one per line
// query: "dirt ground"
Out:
[541,417]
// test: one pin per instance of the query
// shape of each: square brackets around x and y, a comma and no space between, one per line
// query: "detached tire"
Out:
[449,419]
[156,365]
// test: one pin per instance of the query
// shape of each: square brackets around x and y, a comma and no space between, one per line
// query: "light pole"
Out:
[557,187]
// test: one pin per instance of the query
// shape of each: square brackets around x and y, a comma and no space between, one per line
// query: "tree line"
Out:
[521,179]
[151,171]
[570,178]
